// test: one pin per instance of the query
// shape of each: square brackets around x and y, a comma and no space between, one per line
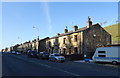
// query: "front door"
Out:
[70,51]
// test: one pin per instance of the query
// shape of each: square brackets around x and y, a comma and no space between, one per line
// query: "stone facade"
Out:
[36,44]
[30,45]
[94,37]
[42,44]
[82,41]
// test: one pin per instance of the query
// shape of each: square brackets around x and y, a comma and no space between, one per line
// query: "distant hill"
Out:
[114,30]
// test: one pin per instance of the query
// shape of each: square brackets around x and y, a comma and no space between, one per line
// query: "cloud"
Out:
[47,13]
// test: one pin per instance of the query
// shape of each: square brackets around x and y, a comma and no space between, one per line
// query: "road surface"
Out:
[21,65]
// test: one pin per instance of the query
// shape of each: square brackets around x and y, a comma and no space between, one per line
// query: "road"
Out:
[21,65]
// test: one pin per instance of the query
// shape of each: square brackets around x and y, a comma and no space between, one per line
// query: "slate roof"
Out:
[71,32]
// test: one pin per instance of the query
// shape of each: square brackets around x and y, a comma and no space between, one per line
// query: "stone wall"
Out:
[87,41]
[94,37]
[42,45]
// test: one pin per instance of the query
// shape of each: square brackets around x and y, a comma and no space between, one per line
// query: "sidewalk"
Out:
[83,61]
[101,64]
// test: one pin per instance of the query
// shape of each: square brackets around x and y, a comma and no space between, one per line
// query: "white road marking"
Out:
[71,73]
[45,65]
[67,72]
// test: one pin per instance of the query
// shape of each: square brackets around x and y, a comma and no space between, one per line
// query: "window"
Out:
[101,55]
[64,40]
[101,51]
[56,41]
[49,44]
[75,37]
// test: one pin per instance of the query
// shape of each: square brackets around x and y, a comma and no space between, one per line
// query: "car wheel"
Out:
[53,60]
[56,60]
[49,59]
[62,61]
[114,62]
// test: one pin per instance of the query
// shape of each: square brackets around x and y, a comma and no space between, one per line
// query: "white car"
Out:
[18,53]
[13,52]
[56,57]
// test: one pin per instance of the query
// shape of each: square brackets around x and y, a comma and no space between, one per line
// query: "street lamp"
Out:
[38,38]
[21,49]
[37,30]
[20,38]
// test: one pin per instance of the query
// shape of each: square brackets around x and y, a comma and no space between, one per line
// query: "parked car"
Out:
[18,53]
[44,55]
[56,57]
[9,52]
[33,54]
[13,52]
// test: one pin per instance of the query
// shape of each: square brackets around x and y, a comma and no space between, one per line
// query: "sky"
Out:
[24,21]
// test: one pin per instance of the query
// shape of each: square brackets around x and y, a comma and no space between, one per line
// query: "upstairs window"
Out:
[75,38]
[64,39]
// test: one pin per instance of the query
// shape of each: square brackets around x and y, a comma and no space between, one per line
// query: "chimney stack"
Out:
[58,34]
[75,28]
[65,30]
[89,22]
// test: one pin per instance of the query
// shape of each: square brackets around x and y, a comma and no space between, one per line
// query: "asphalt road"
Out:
[21,65]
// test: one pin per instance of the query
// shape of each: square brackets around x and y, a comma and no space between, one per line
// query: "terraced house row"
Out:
[82,41]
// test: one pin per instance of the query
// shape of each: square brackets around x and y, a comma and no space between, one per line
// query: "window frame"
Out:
[75,38]
[64,40]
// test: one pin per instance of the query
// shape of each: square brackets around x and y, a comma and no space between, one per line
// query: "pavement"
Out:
[83,61]
[103,64]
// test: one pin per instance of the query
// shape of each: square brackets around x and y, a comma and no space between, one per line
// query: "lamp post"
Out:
[20,38]
[37,30]
[38,38]
[21,49]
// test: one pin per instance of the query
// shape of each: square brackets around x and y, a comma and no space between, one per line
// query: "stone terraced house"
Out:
[38,45]
[83,41]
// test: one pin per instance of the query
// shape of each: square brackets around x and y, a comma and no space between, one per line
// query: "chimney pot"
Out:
[58,34]
[65,30]
[75,28]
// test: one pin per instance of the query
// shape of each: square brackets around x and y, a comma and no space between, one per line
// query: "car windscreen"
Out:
[34,52]
[57,55]
[45,53]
